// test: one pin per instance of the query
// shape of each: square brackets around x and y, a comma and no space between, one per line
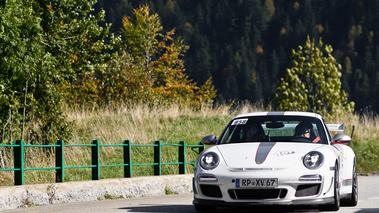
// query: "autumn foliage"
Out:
[146,67]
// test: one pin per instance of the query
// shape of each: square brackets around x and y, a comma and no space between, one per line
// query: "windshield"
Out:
[274,129]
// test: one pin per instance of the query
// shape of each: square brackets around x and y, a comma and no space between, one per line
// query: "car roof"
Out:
[280,113]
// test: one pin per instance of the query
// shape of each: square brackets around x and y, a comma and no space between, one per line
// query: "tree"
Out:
[76,37]
[148,66]
[313,83]
[269,10]
[24,67]
[45,46]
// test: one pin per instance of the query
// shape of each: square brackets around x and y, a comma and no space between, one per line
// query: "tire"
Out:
[353,199]
[205,208]
[336,205]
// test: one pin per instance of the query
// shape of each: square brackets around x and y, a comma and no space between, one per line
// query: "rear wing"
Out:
[339,128]
[335,127]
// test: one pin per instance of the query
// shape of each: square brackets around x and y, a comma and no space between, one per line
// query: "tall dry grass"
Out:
[366,126]
[141,124]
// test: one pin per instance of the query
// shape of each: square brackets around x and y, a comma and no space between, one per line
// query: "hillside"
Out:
[245,45]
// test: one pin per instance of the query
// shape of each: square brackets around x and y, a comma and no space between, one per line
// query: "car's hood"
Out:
[269,155]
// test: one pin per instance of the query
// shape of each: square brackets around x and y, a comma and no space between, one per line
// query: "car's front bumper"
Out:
[290,190]
[318,201]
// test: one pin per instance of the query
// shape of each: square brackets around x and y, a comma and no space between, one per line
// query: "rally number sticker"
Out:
[239,122]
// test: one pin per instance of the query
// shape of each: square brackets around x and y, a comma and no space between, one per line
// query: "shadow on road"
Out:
[368,210]
[161,208]
[190,208]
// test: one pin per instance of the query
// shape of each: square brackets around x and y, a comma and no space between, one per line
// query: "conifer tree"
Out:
[313,83]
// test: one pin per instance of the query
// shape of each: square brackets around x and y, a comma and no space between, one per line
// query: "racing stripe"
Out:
[263,150]
[275,113]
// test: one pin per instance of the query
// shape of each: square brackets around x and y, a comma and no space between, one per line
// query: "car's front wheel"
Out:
[353,199]
[205,208]
[336,205]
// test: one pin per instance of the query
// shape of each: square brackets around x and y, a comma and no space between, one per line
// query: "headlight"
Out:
[209,161]
[313,160]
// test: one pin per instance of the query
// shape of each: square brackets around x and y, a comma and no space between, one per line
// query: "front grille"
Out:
[257,193]
[307,190]
[211,190]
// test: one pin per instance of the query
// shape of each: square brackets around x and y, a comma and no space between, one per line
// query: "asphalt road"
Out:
[368,203]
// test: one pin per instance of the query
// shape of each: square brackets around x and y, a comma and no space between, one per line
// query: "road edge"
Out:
[12,197]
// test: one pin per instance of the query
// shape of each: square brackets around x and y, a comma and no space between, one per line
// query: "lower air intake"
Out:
[258,194]
[211,190]
[307,190]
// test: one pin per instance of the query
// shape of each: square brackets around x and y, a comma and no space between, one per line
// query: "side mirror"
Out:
[209,140]
[341,138]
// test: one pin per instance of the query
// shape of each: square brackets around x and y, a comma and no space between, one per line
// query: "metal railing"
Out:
[19,158]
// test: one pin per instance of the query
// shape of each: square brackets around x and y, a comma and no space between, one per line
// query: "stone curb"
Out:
[12,197]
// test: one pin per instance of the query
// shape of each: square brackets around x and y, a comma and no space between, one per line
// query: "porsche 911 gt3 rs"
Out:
[276,158]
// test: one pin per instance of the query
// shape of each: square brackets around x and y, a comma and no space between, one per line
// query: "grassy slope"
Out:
[143,125]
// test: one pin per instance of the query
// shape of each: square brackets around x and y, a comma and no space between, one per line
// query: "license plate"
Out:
[253,182]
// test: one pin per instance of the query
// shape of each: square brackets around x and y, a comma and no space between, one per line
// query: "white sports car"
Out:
[276,158]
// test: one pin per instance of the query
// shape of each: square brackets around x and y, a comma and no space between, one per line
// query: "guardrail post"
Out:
[127,159]
[157,158]
[201,147]
[59,161]
[19,163]
[182,157]
[96,160]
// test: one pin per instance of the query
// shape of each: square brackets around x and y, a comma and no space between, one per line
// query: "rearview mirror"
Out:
[275,125]
[209,140]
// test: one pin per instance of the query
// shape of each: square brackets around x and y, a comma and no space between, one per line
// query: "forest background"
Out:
[245,45]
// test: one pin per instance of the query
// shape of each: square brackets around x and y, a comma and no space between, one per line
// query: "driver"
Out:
[302,131]
[305,130]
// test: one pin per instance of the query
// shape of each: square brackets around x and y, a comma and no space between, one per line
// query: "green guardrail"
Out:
[19,167]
